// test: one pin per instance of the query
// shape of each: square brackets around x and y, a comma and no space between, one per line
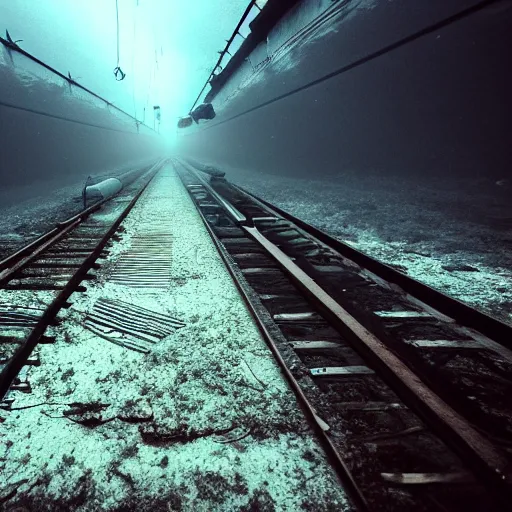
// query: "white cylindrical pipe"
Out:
[102,190]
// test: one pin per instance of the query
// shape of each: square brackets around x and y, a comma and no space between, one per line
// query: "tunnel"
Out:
[255,255]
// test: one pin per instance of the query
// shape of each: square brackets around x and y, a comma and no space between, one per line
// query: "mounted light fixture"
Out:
[157,116]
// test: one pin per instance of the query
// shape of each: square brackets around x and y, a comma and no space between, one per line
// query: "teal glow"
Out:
[167,47]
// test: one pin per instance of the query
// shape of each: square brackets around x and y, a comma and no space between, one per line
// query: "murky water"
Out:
[405,156]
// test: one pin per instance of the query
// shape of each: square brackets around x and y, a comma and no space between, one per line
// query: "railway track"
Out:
[37,281]
[408,389]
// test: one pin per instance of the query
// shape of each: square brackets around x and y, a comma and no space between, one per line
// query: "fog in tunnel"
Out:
[53,135]
[167,47]
[259,264]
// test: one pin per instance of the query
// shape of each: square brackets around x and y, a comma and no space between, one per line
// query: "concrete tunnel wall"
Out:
[438,106]
[53,134]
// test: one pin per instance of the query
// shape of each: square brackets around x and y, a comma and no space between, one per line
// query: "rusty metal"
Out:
[7,274]
[53,234]
[453,308]
[46,240]
[484,455]
[318,425]
[485,458]
[236,215]
[15,364]
[130,326]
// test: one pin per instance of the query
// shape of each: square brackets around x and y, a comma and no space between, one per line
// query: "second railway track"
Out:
[408,388]
[37,281]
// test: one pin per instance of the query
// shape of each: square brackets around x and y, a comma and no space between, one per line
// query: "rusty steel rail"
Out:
[16,362]
[493,328]
[482,455]
[27,253]
[35,251]
[233,212]
[43,241]
[319,426]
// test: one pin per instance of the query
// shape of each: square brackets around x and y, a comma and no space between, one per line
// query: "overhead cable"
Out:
[62,118]
[13,46]
[118,72]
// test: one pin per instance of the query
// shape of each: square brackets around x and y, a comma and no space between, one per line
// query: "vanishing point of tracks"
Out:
[408,389]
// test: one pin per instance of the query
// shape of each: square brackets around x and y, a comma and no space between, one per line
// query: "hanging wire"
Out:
[133,56]
[118,72]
